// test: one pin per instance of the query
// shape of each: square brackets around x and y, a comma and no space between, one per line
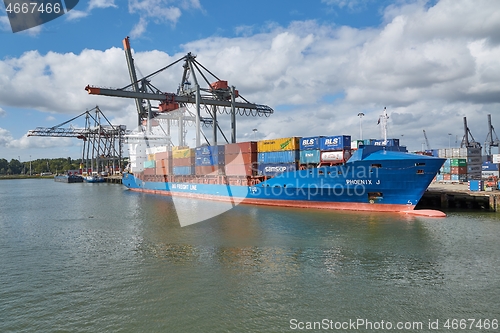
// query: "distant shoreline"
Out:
[25,177]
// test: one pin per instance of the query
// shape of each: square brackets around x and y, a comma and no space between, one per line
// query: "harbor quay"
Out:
[458,195]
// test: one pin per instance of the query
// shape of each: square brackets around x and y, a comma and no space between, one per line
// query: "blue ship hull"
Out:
[373,179]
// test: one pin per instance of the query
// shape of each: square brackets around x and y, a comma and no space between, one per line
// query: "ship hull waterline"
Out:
[372,180]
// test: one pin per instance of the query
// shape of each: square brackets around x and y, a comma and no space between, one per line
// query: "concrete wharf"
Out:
[456,195]
[114,179]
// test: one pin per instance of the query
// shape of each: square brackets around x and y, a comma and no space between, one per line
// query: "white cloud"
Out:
[101,4]
[158,11]
[26,142]
[76,14]
[4,23]
[5,137]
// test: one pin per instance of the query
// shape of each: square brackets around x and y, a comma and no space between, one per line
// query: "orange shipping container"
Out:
[166,163]
[163,155]
[163,171]
[186,161]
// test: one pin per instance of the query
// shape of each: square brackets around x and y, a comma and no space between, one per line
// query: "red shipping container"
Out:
[458,170]
[149,171]
[206,170]
[446,176]
[245,158]
[240,170]
[244,147]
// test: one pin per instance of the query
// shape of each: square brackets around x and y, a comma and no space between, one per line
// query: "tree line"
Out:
[55,165]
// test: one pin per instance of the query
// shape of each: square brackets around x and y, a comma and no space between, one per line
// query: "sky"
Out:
[317,63]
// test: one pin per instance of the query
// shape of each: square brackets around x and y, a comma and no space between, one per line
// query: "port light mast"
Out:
[198,87]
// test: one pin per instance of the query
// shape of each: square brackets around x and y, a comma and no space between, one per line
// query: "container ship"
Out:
[328,172]
[319,171]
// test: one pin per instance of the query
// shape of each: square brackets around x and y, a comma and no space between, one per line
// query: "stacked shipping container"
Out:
[164,163]
[149,164]
[277,156]
[241,159]
[325,149]
[209,160]
[461,165]
[183,161]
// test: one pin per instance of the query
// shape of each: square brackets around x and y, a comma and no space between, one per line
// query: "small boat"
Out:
[94,179]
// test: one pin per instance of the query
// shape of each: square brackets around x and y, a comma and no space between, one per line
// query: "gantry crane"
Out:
[427,141]
[490,142]
[209,93]
[102,141]
[466,143]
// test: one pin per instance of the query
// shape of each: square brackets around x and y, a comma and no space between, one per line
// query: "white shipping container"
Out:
[335,156]
[456,152]
[486,174]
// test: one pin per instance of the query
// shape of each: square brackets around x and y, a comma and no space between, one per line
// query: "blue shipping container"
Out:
[309,143]
[273,169]
[488,166]
[475,185]
[285,156]
[209,150]
[204,160]
[183,170]
[338,142]
[310,156]
[390,142]
[445,169]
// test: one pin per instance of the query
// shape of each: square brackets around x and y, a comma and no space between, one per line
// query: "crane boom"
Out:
[216,96]
[133,77]
[490,142]
[427,141]
[264,109]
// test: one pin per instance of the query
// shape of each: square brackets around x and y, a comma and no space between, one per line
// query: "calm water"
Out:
[98,258]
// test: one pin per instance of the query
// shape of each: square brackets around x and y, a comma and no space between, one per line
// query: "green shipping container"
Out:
[458,162]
